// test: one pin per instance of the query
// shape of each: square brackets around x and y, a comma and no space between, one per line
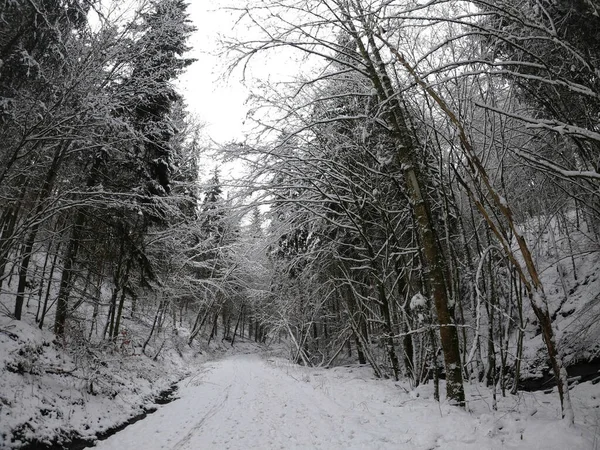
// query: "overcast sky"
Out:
[219,102]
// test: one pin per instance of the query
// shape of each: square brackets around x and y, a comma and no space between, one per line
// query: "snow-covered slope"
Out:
[49,395]
[569,265]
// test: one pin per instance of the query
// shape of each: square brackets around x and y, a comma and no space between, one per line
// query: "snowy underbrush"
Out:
[569,264]
[405,417]
[49,395]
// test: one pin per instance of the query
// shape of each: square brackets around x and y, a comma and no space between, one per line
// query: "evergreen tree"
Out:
[212,209]
[157,60]
[147,103]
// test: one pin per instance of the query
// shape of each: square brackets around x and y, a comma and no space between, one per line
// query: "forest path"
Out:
[246,402]
[254,402]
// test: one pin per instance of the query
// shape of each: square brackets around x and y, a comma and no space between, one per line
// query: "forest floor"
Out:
[260,402]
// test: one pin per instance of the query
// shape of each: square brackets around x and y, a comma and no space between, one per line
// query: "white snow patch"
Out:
[418,301]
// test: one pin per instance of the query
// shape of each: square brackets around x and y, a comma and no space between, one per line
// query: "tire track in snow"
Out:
[245,402]
[211,412]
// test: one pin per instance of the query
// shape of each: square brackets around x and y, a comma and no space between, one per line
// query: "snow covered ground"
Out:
[254,402]
[49,395]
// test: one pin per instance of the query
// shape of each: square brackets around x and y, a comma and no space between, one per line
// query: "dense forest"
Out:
[422,198]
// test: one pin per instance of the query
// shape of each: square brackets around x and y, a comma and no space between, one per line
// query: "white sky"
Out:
[220,100]
[217,100]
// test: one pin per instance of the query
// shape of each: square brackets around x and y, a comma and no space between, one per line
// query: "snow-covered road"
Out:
[248,402]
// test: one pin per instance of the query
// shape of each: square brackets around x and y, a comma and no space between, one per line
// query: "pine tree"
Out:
[40,83]
[157,61]
[147,103]
[212,209]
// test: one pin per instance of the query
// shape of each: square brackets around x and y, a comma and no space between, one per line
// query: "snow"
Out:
[569,269]
[418,301]
[254,402]
[539,300]
[48,394]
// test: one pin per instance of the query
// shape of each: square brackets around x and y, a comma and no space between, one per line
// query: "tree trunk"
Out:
[7,230]
[108,327]
[213,331]
[199,322]
[27,249]
[49,286]
[123,284]
[387,332]
[68,273]
[237,323]
[147,341]
[67,278]
[406,153]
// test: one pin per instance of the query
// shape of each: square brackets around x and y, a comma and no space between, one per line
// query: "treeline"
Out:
[413,171]
[102,214]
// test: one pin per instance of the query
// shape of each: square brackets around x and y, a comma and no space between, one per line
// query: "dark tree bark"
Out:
[237,323]
[407,154]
